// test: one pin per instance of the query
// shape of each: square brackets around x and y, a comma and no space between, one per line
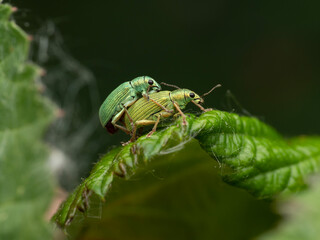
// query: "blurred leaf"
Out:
[302,216]
[251,155]
[25,182]
[179,196]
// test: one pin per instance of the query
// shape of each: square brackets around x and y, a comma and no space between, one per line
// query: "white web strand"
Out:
[65,79]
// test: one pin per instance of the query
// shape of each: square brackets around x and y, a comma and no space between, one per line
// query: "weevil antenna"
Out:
[205,94]
[169,85]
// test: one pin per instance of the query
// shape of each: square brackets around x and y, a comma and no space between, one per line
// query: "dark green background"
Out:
[267,53]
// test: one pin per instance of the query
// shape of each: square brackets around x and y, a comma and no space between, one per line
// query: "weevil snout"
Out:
[199,100]
[156,88]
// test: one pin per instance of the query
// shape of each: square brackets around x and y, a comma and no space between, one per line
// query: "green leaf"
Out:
[263,163]
[25,182]
[251,154]
[302,216]
[179,196]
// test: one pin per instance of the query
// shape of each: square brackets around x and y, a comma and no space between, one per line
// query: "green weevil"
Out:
[161,105]
[122,97]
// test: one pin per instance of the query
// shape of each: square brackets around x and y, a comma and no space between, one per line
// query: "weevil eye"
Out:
[150,82]
[192,95]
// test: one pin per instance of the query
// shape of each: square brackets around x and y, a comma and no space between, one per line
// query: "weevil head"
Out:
[184,96]
[145,84]
[193,96]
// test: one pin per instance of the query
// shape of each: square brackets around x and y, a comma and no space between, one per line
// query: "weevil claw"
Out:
[125,143]
[207,109]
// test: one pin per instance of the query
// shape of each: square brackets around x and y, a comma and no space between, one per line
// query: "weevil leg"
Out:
[122,128]
[133,135]
[184,122]
[202,108]
[154,127]
[134,130]
[159,116]
[129,117]
[148,91]
[137,125]
[117,117]
[146,96]
[160,105]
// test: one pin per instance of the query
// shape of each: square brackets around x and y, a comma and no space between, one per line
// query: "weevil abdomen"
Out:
[144,109]
[113,103]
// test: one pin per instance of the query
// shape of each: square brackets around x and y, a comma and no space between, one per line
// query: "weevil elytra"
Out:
[160,105]
[122,97]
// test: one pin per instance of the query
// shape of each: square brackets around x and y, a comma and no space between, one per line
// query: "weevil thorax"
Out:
[184,96]
[145,84]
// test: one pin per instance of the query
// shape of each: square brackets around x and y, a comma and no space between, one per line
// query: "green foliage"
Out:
[176,196]
[263,162]
[302,216]
[252,156]
[25,182]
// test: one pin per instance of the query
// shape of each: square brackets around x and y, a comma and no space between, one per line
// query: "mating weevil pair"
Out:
[124,105]
[121,98]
